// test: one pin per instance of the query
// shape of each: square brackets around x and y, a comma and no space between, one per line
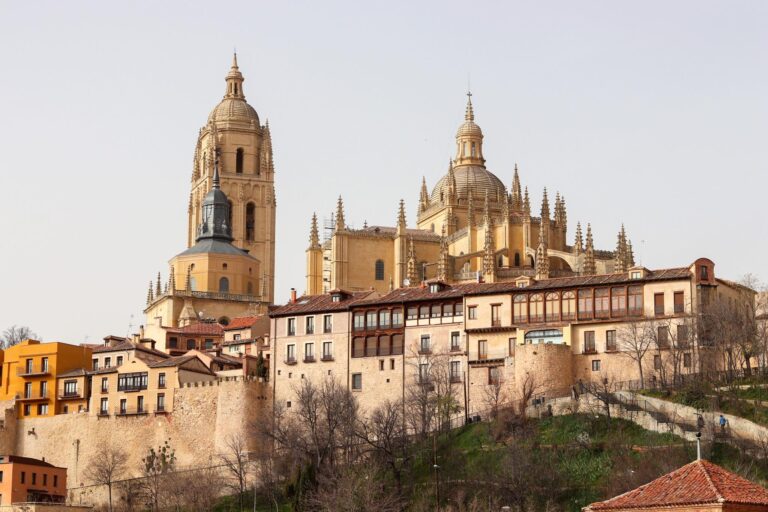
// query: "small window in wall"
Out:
[357,381]
[687,360]
[595,365]
[239,157]
[517,259]
[657,362]
[190,344]
[379,270]
[224,285]
[472,312]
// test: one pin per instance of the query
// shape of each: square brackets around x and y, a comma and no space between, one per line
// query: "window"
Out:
[104,406]
[223,285]
[635,300]
[397,344]
[290,353]
[70,388]
[494,376]
[595,365]
[495,316]
[447,309]
[23,476]
[413,313]
[472,312]
[424,312]
[359,321]
[42,410]
[309,325]
[658,304]
[45,365]
[119,360]
[424,347]
[370,320]
[327,351]
[379,270]
[55,480]
[250,221]
[552,307]
[455,371]
[358,347]
[34,478]
[657,362]
[27,409]
[511,346]
[455,346]
[682,336]
[44,389]
[384,319]
[160,402]
[239,161]
[602,303]
[309,352]
[635,274]
[140,404]
[687,360]
[45,479]
[29,366]
[161,380]
[27,390]
[569,306]
[520,309]
[704,274]
[95,364]
[537,307]
[172,343]
[357,381]
[663,336]
[107,362]
[391,364]
[208,344]
[679,301]
[585,304]
[132,381]
[618,301]
[291,327]
[589,342]
[482,349]
[123,406]
[517,259]
[104,384]
[371,347]
[190,344]
[458,309]
[236,337]
[436,311]
[327,323]
[610,341]
[423,373]
[397,317]
[385,346]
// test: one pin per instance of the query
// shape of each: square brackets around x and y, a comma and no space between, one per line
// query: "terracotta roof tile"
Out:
[127,345]
[319,303]
[697,483]
[241,322]
[202,328]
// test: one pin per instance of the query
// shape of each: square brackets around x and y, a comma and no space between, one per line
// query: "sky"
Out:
[653,114]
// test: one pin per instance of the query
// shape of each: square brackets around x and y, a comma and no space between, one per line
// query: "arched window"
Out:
[537,308]
[553,307]
[239,156]
[192,284]
[379,270]
[569,305]
[250,221]
[520,309]
[517,259]
[223,285]
[473,149]
[250,288]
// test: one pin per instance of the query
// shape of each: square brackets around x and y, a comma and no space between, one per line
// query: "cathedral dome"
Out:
[471,179]
[469,129]
[234,109]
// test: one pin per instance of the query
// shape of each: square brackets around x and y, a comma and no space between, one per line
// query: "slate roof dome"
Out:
[471,179]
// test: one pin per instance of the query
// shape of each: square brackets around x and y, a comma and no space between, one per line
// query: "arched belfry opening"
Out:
[239,157]
[250,221]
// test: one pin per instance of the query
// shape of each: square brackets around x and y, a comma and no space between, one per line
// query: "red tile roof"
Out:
[202,328]
[241,322]
[319,303]
[697,483]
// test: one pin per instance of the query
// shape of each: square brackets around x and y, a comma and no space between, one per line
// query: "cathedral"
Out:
[469,228]
[228,267]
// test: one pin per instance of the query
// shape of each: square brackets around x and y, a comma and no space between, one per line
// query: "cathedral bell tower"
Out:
[246,178]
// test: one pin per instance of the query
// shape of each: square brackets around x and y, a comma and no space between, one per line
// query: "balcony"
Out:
[33,371]
[589,350]
[611,348]
[132,389]
[71,395]
[290,360]
[160,409]
[327,357]
[103,412]
[309,359]
[32,397]
[130,411]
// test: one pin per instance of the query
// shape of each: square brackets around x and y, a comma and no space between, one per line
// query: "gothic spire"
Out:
[578,245]
[630,255]
[452,188]
[545,207]
[589,268]
[469,113]
[442,262]
[517,198]
[489,256]
[526,204]
[340,223]
[542,260]
[158,288]
[470,211]
[486,212]
[423,195]
[314,235]
[150,295]
[411,271]
[172,281]
[188,284]
[401,224]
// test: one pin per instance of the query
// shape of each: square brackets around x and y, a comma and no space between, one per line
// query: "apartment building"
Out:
[141,386]
[199,336]
[30,372]
[28,480]
[117,350]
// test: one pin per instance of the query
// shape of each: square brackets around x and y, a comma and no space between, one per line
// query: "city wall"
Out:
[204,417]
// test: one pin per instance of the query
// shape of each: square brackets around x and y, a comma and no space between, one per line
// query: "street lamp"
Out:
[437,487]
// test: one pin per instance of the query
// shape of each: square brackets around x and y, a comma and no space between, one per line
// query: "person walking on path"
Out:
[723,423]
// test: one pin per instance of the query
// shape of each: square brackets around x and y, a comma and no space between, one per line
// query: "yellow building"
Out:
[227,270]
[469,228]
[30,371]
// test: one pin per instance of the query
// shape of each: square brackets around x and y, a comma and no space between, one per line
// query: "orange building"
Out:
[23,479]
[30,370]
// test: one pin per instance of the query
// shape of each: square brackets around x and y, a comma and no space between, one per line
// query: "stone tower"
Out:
[247,175]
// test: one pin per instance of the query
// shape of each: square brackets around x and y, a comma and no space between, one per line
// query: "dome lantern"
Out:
[469,138]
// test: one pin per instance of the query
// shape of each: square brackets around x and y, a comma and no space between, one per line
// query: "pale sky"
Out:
[651,113]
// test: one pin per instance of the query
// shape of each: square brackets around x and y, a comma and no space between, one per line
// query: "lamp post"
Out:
[437,487]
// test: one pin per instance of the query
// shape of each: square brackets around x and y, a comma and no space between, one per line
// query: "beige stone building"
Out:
[470,227]
[227,270]
[505,341]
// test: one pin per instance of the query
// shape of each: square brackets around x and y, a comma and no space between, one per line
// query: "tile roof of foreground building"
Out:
[126,344]
[697,483]
[241,322]
[320,303]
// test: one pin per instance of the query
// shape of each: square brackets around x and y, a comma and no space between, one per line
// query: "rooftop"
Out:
[320,303]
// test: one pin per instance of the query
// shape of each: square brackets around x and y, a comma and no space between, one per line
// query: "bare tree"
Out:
[602,391]
[634,344]
[384,432]
[526,389]
[108,467]
[354,488]
[235,461]
[194,490]
[432,396]
[155,466]
[16,334]
[495,395]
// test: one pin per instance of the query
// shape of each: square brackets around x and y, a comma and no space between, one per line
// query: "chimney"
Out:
[293,295]
[147,342]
